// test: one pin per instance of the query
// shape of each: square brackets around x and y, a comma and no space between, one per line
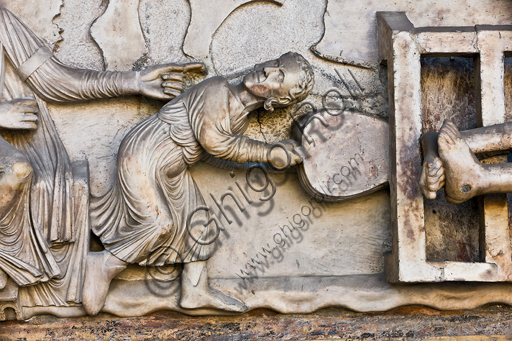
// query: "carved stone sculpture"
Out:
[158,224]
[145,217]
[450,161]
[44,197]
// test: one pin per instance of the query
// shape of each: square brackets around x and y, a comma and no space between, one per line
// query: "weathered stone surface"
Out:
[204,22]
[42,22]
[353,38]
[336,167]
[408,323]
[76,47]
[118,29]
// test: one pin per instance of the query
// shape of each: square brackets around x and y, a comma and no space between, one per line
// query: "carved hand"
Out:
[283,154]
[19,113]
[166,76]
[432,176]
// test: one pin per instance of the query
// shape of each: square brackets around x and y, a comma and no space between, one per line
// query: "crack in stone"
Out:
[261,130]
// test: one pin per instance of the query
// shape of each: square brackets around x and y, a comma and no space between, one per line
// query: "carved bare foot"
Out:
[463,171]
[3,279]
[210,298]
[196,293]
[101,268]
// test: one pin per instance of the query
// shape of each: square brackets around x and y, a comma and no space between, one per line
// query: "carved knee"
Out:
[164,232]
[15,175]
[22,170]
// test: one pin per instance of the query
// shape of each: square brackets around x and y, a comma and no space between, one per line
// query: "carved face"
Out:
[273,79]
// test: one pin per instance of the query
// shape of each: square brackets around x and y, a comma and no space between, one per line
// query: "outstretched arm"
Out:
[56,82]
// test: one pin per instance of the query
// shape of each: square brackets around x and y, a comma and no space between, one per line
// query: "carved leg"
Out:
[464,173]
[196,293]
[466,177]
[101,268]
[491,140]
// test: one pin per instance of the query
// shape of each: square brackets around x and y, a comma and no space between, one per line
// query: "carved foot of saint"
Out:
[101,268]
[463,171]
[196,293]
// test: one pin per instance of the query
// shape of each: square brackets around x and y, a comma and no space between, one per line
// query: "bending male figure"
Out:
[143,218]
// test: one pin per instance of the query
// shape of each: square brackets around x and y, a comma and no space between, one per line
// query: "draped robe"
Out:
[44,236]
[143,218]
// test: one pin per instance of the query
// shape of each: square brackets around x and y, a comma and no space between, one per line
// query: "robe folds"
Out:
[44,235]
[143,218]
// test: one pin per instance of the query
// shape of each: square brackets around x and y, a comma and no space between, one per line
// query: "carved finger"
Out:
[29,109]
[432,181]
[25,101]
[172,77]
[27,125]
[424,189]
[449,131]
[437,162]
[438,172]
[434,187]
[194,67]
[29,118]
[449,123]
[432,171]
[172,67]
[171,92]
[430,195]
[173,85]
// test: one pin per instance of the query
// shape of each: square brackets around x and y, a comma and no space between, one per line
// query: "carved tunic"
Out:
[143,218]
[44,237]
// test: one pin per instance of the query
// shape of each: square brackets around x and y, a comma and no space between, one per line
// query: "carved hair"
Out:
[301,90]
[306,79]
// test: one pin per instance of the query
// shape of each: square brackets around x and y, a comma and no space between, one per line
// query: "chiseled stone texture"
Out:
[408,323]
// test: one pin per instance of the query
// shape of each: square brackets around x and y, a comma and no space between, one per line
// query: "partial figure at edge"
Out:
[43,226]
